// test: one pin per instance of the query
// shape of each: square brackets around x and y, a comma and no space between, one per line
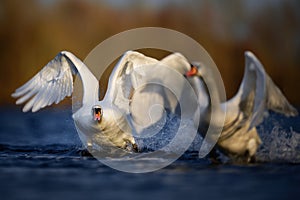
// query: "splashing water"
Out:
[280,142]
[280,146]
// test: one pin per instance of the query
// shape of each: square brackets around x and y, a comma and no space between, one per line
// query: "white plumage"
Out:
[125,108]
[109,125]
[245,111]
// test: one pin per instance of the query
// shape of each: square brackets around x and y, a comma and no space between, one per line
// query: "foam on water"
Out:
[280,146]
[281,143]
[167,134]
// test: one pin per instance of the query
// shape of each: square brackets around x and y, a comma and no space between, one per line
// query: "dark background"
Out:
[32,32]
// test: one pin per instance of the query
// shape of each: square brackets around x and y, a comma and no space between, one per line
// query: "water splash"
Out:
[281,143]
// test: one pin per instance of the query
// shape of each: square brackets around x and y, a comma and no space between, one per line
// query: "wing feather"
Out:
[26,97]
[54,82]
[120,81]
[277,102]
[258,93]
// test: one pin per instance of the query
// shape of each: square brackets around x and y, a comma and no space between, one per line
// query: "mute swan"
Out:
[98,122]
[245,111]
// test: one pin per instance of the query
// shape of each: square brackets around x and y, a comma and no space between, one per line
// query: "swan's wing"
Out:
[166,90]
[128,90]
[277,102]
[168,83]
[124,78]
[253,91]
[54,82]
[258,93]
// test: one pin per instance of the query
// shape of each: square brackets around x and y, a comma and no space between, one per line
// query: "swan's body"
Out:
[245,111]
[98,122]
[110,121]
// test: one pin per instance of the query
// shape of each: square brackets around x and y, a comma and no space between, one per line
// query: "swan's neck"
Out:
[212,95]
[89,81]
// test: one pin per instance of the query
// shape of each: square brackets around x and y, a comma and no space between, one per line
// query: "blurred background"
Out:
[32,32]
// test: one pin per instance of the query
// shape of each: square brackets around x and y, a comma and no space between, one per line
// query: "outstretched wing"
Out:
[129,91]
[124,79]
[55,81]
[259,93]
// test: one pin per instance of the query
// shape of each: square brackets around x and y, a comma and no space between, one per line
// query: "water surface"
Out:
[40,159]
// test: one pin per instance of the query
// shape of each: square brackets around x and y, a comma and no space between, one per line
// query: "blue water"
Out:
[40,158]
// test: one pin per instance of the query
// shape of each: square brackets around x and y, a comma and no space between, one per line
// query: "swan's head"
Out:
[97,113]
[196,70]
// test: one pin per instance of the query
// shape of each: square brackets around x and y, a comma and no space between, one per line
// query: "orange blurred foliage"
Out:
[32,32]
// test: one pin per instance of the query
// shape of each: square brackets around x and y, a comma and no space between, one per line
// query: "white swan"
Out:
[161,89]
[99,122]
[245,111]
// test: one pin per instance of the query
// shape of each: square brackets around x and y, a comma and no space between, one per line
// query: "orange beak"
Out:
[193,71]
[97,116]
